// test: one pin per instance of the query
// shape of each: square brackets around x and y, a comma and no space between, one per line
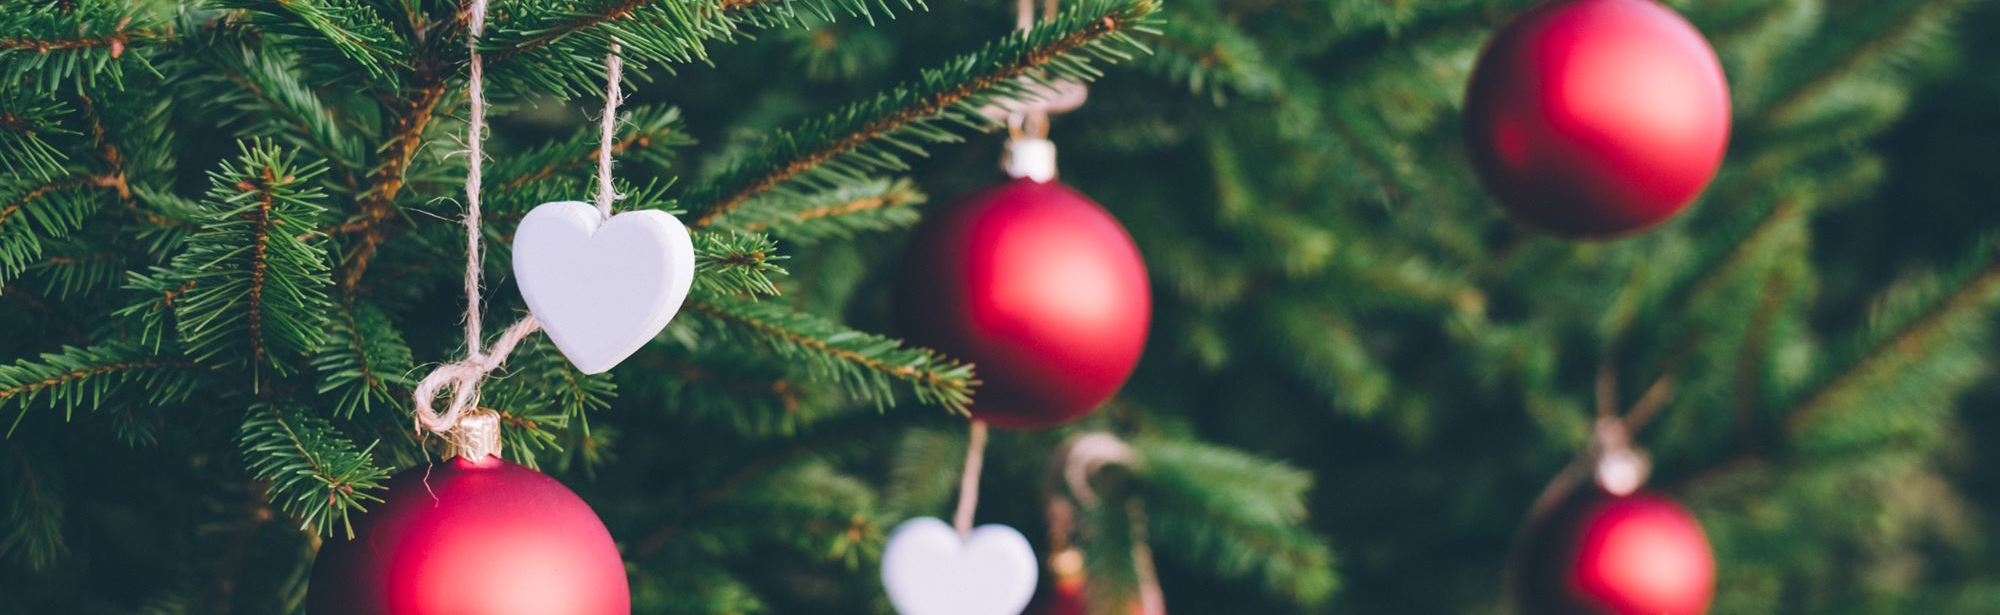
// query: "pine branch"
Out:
[1887,30]
[46,44]
[321,28]
[90,377]
[364,363]
[26,124]
[1240,515]
[36,212]
[838,213]
[377,203]
[1893,348]
[646,136]
[267,95]
[558,45]
[314,473]
[873,136]
[1213,57]
[736,264]
[34,513]
[259,297]
[866,365]
[747,392]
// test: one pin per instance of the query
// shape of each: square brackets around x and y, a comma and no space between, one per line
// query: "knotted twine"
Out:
[470,431]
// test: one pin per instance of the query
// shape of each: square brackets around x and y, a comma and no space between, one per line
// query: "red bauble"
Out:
[1594,118]
[1602,554]
[1037,286]
[1067,598]
[473,538]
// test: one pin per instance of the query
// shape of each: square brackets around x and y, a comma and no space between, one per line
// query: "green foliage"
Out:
[314,473]
[364,363]
[49,44]
[1331,288]
[315,28]
[85,377]
[26,125]
[33,534]
[736,264]
[868,367]
[38,211]
[256,275]
[1237,515]
[876,135]
[842,212]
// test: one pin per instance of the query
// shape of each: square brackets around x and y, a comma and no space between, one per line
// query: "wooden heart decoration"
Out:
[601,287]
[929,570]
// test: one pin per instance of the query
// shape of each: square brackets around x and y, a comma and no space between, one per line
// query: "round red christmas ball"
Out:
[1596,118]
[1601,554]
[1037,286]
[472,538]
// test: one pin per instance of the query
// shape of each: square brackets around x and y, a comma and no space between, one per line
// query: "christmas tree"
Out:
[230,249]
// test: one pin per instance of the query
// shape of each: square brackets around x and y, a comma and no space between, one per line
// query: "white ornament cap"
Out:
[1621,469]
[1030,158]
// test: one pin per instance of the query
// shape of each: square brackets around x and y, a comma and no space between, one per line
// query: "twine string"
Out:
[614,69]
[470,431]
[475,136]
[968,483]
[1032,121]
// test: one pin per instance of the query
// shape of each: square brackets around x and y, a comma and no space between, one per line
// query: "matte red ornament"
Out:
[1037,286]
[473,538]
[1067,597]
[1601,554]
[1596,118]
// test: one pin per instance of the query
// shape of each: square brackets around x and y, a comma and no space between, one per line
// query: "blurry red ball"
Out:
[472,538]
[1037,286]
[1601,554]
[1595,118]
[1067,597]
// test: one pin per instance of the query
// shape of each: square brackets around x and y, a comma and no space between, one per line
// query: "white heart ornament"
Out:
[601,287]
[929,570]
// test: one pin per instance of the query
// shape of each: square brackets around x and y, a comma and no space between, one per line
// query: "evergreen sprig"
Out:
[1213,57]
[264,93]
[838,213]
[34,513]
[1941,319]
[35,212]
[45,44]
[340,28]
[90,376]
[732,263]
[647,136]
[1237,514]
[364,362]
[875,136]
[868,366]
[26,125]
[257,276]
[314,473]
[560,46]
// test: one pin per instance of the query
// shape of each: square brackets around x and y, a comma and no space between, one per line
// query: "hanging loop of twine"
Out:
[1030,120]
[1085,454]
[471,432]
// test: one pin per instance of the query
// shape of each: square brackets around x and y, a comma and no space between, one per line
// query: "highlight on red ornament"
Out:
[1597,118]
[461,537]
[1040,288]
[1602,554]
